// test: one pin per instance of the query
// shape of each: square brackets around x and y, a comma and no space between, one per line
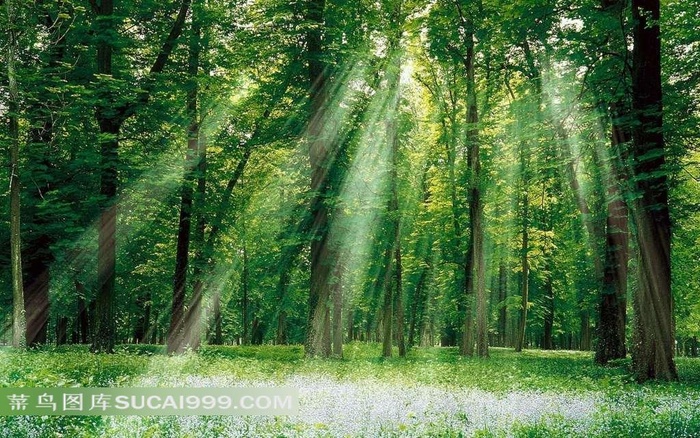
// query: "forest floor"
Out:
[432,392]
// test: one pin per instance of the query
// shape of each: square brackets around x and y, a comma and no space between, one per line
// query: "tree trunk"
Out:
[193,323]
[393,268]
[653,351]
[337,295]
[184,325]
[476,207]
[350,318]
[217,339]
[110,125]
[547,343]
[282,337]
[387,308]
[81,321]
[36,295]
[548,323]
[282,286]
[62,330]
[400,337]
[176,333]
[38,255]
[143,321]
[585,337]
[613,301]
[38,244]
[525,266]
[245,281]
[319,157]
[19,323]
[154,329]
[418,301]
[257,332]
[503,310]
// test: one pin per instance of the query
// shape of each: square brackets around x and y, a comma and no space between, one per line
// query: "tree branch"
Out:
[128,109]
[169,43]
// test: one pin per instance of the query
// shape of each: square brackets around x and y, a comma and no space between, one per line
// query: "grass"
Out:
[432,392]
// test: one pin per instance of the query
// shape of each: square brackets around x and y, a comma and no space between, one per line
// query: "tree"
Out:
[43,114]
[111,115]
[19,327]
[393,288]
[475,265]
[177,338]
[652,356]
[524,249]
[320,156]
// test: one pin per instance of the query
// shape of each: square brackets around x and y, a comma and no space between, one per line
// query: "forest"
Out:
[337,180]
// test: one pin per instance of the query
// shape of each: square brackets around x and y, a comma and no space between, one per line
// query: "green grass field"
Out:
[433,392]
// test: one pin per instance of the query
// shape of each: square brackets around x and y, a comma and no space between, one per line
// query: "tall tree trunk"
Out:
[393,269]
[19,324]
[143,303]
[37,276]
[282,338]
[476,207]
[612,318]
[419,299]
[62,330]
[217,339]
[350,318]
[154,330]
[585,330]
[193,323]
[652,356]
[463,267]
[319,157]
[179,337]
[245,282]
[337,296]
[38,253]
[282,286]
[388,307]
[176,332]
[503,309]
[83,319]
[548,323]
[104,336]
[36,292]
[475,273]
[524,263]
[400,336]
[110,125]
[547,343]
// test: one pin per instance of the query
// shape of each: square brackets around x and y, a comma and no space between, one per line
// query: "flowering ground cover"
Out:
[433,392]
